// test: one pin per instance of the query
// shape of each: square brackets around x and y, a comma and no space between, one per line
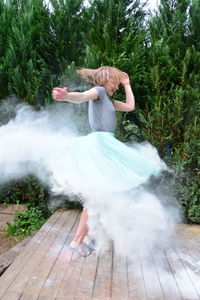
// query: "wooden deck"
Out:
[47,269]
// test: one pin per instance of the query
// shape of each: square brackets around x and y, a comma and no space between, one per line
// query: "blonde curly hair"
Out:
[101,75]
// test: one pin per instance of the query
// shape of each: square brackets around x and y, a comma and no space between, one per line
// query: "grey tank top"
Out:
[101,112]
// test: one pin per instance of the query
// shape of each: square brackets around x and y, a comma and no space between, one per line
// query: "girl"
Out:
[116,166]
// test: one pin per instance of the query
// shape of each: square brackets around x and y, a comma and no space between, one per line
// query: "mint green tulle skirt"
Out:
[99,161]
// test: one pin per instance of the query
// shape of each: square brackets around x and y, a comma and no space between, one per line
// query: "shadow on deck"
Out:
[47,269]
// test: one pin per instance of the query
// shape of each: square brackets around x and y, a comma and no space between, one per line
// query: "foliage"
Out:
[34,195]
[26,222]
[188,195]
[194,213]
[29,190]
[32,60]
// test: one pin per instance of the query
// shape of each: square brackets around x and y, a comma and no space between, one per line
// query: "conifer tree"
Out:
[114,37]
[167,49]
[23,61]
[67,26]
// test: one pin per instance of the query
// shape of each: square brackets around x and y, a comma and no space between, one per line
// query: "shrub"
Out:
[28,190]
[194,213]
[26,222]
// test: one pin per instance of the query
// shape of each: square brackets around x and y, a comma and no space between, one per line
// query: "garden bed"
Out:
[7,215]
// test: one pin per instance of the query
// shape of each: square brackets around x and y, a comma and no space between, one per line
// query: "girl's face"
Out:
[110,87]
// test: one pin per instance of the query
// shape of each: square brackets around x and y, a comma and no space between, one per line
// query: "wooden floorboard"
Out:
[49,270]
[152,284]
[31,275]
[181,276]
[119,289]
[70,280]
[54,279]
[190,265]
[87,278]
[11,273]
[103,279]
[136,287]
[41,275]
[166,277]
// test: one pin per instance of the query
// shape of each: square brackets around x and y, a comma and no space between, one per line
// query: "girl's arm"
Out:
[62,94]
[129,105]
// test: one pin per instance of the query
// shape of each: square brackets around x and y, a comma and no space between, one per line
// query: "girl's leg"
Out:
[82,228]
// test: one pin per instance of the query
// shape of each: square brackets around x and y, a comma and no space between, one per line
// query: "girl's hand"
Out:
[125,79]
[59,94]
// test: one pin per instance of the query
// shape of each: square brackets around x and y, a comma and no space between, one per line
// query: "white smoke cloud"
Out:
[38,142]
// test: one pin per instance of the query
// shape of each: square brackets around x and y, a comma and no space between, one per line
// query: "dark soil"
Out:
[6,242]
[7,215]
